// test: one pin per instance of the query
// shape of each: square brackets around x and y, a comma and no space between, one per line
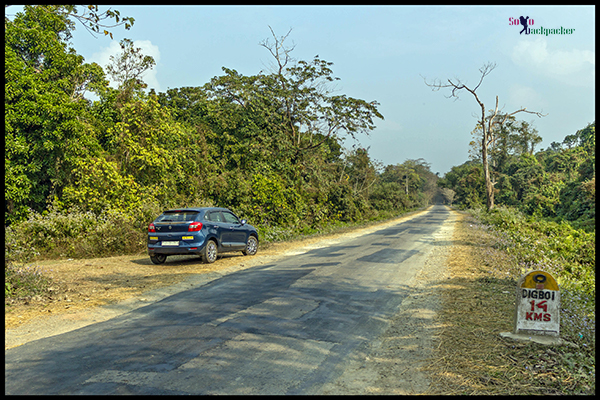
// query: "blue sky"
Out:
[381,53]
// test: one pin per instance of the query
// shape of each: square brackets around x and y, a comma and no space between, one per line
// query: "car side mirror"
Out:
[243,222]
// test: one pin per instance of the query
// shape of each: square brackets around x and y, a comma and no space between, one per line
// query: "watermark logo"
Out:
[527,24]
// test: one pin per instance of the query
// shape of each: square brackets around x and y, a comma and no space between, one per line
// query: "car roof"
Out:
[197,209]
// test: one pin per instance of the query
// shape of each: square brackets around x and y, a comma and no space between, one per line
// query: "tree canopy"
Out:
[558,182]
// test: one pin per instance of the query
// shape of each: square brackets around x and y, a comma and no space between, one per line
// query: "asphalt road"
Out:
[284,328]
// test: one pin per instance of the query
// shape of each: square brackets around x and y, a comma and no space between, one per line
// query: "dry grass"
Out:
[470,356]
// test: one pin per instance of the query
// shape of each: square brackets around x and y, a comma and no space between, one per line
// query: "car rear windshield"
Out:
[177,216]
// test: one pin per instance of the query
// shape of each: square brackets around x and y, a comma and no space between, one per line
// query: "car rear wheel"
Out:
[158,258]
[251,246]
[209,255]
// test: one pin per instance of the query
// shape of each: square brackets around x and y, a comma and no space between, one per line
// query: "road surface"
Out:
[289,327]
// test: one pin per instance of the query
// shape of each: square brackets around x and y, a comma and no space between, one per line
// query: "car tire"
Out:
[158,258]
[209,254]
[251,246]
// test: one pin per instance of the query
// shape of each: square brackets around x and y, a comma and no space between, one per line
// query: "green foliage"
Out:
[45,126]
[294,104]
[468,183]
[188,104]
[129,65]
[160,154]
[418,183]
[93,20]
[569,253]
[577,203]
[127,68]
[513,138]
[558,182]
[99,186]
[273,202]
[359,171]
[389,196]
[533,189]
[344,205]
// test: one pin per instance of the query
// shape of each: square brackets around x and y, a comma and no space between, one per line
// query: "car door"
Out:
[235,235]
[216,225]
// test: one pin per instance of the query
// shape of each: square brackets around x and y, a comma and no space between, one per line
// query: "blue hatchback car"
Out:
[205,231]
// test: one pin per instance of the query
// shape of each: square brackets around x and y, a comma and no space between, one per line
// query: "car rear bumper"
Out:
[182,249]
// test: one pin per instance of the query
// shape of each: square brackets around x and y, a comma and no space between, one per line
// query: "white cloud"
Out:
[388,125]
[103,59]
[575,67]
[525,96]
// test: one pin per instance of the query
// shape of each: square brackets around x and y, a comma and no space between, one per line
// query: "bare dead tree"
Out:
[279,51]
[487,125]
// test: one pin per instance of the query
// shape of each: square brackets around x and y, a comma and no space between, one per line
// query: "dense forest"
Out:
[279,148]
[557,183]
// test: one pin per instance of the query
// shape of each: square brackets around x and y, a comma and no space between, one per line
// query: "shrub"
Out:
[100,186]
[273,202]
[73,233]
[24,281]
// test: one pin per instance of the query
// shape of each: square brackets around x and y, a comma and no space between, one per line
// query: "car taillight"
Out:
[151,228]
[195,227]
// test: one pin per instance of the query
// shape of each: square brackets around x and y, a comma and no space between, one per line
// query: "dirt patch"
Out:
[477,304]
[89,283]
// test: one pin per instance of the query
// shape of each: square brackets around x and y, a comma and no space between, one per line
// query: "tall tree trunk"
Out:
[489,185]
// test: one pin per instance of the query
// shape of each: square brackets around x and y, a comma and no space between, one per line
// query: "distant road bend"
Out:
[284,328]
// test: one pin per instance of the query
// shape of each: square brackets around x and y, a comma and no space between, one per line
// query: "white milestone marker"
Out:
[538,305]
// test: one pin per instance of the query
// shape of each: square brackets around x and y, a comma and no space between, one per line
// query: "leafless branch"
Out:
[278,51]
[456,85]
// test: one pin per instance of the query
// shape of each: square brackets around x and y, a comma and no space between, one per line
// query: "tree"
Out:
[360,170]
[94,21]
[128,67]
[46,127]
[155,150]
[467,181]
[448,195]
[286,122]
[403,174]
[295,100]
[415,179]
[513,138]
[488,124]
[91,18]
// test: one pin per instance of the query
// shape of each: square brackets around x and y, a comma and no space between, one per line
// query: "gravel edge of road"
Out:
[392,363]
